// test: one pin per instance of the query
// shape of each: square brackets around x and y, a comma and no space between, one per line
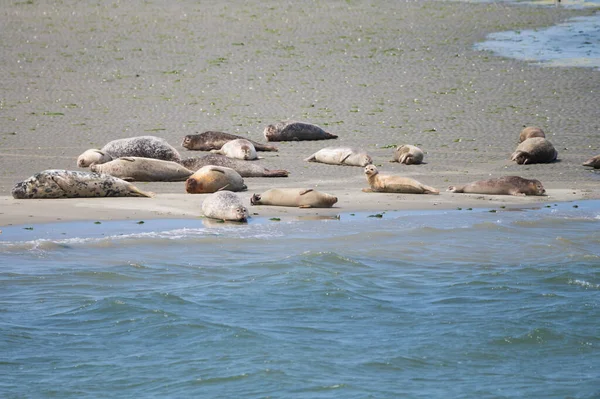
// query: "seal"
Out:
[214,140]
[210,179]
[594,162]
[140,146]
[296,131]
[341,156]
[238,149]
[394,184]
[408,155]
[507,185]
[529,132]
[57,183]
[244,168]
[143,169]
[224,205]
[534,150]
[298,197]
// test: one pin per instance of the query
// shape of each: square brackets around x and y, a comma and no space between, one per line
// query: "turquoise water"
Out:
[460,304]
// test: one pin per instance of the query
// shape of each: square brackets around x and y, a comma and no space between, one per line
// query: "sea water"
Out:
[469,303]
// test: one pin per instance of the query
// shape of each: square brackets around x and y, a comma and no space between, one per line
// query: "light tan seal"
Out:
[507,185]
[238,149]
[394,184]
[212,140]
[297,197]
[534,150]
[296,131]
[244,168]
[143,169]
[341,156]
[594,162]
[408,155]
[55,183]
[529,132]
[210,179]
[224,205]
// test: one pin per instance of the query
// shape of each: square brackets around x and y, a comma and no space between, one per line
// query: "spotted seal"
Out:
[210,179]
[56,183]
[394,184]
[224,205]
[341,156]
[507,185]
[143,169]
[534,150]
[211,140]
[296,131]
[140,146]
[594,162]
[408,154]
[299,197]
[238,149]
[244,168]
[529,132]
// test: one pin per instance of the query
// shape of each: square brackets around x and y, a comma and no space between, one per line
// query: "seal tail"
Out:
[265,147]
[454,189]
[331,135]
[139,193]
[430,190]
[276,173]
[312,158]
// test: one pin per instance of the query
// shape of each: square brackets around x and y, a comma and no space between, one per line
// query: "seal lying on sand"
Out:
[224,205]
[300,197]
[54,183]
[507,185]
[143,169]
[594,162]
[296,131]
[341,156]
[529,132]
[394,184]
[534,150]
[210,179]
[214,140]
[408,155]
[141,146]
[244,168]
[238,149]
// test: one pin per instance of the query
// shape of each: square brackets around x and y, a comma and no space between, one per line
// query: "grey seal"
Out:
[57,183]
[507,185]
[212,140]
[394,184]
[341,156]
[238,149]
[534,150]
[408,155]
[244,168]
[143,169]
[210,179]
[529,132]
[296,131]
[298,197]
[224,205]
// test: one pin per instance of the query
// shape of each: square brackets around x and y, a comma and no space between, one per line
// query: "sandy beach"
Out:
[75,76]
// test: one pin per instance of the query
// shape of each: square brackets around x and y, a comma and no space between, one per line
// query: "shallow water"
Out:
[462,303]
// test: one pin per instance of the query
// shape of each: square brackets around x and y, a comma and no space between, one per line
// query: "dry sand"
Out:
[75,75]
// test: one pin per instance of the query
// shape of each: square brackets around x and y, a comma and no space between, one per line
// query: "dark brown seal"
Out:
[594,162]
[296,131]
[529,132]
[507,185]
[211,140]
[534,150]
[244,168]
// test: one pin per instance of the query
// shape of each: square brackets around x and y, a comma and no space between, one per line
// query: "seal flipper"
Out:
[275,173]
[312,158]
[128,159]
[62,184]
[346,157]
[308,190]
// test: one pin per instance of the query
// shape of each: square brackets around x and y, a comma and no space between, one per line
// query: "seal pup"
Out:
[529,132]
[298,197]
[594,162]
[238,149]
[211,178]
[507,185]
[214,140]
[244,168]
[394,184]
[140,146]
[224,205]
[534,150]
[296,131]
[57,183]
[143,169]
[341,156]
[408,154]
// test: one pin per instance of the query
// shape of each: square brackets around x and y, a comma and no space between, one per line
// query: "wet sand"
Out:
[75,76]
